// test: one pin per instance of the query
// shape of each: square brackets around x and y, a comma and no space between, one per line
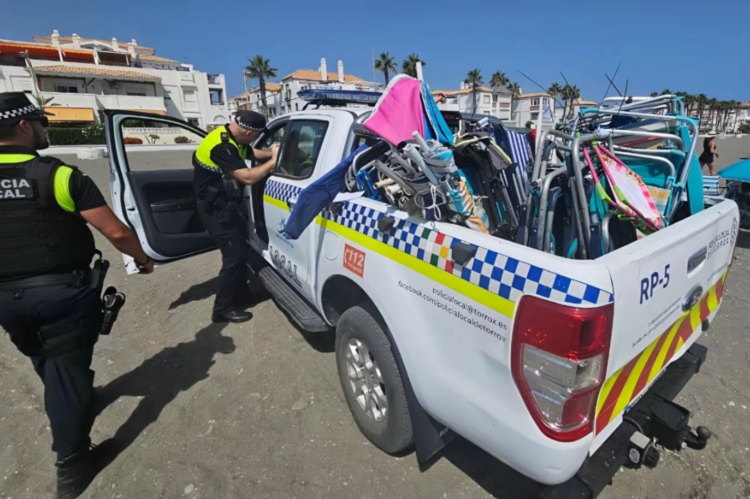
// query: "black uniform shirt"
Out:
[227,156]
[82,190]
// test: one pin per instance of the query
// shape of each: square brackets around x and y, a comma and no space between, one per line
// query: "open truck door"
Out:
[151,183]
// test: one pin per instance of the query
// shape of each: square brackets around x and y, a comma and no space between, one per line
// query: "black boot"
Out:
[74,474]
[234,317]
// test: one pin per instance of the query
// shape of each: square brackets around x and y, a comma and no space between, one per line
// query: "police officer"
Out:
[220,173]
[48,303]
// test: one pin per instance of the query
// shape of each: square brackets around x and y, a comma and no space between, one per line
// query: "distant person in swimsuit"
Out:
[709,152]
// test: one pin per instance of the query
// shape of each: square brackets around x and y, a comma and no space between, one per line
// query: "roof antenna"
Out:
[538,85]
[611,83]
[624,98]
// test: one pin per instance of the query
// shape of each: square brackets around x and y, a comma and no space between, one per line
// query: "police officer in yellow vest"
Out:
[50,301]
[220,164]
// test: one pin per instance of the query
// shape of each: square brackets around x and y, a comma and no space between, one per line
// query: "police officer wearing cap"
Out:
[220,173]
[49,304]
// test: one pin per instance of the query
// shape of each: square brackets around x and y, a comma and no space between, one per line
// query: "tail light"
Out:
[559,360]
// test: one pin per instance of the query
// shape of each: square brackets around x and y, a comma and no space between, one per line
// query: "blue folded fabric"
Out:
[315,197]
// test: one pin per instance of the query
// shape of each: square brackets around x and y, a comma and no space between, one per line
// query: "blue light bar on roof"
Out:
[339,97]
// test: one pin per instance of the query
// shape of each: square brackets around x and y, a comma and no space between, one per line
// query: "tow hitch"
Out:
[653,421]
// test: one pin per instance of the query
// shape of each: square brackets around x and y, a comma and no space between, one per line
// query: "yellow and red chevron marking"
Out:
[627,383]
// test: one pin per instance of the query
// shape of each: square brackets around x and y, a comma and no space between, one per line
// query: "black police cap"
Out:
[250,120]
[15,106]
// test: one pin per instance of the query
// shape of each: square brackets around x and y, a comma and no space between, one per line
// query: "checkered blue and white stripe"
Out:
[359,218]
[281,191]
[512,278]
[14,113]
[500,274]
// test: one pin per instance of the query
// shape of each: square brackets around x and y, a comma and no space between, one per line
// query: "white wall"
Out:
[487,104]
[14,78]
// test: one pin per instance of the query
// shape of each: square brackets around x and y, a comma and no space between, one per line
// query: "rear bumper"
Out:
[597,472]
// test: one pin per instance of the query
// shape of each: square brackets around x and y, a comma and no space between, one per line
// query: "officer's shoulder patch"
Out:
[224,136]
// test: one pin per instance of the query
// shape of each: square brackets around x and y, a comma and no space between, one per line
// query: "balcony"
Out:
[215,79]
[99,102]
[131,103]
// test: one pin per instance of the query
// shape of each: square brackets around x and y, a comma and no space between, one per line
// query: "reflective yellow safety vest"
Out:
[213,139]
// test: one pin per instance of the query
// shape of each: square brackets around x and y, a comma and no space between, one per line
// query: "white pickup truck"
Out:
[563,369]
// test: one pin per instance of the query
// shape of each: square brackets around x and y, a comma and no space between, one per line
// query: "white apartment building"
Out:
[81,77]
[282,97]
[526,107]
[572,110]
[251,100]
[493,102]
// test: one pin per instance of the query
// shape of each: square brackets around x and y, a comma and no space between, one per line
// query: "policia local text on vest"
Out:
[50,298]
[221,172]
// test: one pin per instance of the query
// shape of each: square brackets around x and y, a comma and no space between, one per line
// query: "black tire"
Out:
[394,433]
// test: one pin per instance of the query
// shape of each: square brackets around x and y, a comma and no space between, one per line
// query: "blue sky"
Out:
[680,45]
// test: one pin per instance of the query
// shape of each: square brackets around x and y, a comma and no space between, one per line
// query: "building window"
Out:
[534,116]
[65,89]
[534,102]
[486,99]
[137,94]
[194,122]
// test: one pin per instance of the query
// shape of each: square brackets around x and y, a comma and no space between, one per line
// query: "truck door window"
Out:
[273,138]
[300,151]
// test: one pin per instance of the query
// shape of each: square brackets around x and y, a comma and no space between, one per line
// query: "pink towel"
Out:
[398,113]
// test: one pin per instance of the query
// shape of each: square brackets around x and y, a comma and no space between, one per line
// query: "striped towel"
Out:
[520,150]
[710,185]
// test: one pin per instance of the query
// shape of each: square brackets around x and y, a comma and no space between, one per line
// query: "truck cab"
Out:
[562,369]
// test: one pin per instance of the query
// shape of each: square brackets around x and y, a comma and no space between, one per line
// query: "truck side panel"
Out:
[453,324]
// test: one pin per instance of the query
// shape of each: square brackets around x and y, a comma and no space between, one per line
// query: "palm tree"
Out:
[702,100]
[736,109]
[654,94]
[570,94]
[386,64]
[260,69]
[409,66]
[713,105]
[515,89]
[689,101]
[666,91]
[42,101]
[554,90]
[498,79]
[474,80]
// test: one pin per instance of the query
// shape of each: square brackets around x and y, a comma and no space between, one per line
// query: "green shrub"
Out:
[181,139]
[132,140]
[92,134]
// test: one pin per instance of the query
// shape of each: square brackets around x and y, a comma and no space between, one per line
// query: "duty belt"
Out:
[77,278]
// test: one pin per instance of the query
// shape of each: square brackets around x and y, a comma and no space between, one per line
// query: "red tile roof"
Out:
[312,75]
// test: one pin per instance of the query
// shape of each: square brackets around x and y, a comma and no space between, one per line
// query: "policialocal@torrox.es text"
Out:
[15,189]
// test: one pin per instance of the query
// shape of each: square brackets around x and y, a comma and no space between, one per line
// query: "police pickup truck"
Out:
[563,369]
